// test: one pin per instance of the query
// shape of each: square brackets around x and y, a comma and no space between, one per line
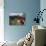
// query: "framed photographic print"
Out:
[16,19]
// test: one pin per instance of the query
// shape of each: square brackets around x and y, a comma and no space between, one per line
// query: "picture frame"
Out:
[16,19]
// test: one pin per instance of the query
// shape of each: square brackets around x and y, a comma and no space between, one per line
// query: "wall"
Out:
[43,6]
[1,21]
[29,7]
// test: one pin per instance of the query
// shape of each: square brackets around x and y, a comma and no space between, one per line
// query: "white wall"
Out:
[1,21]
[43,6]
